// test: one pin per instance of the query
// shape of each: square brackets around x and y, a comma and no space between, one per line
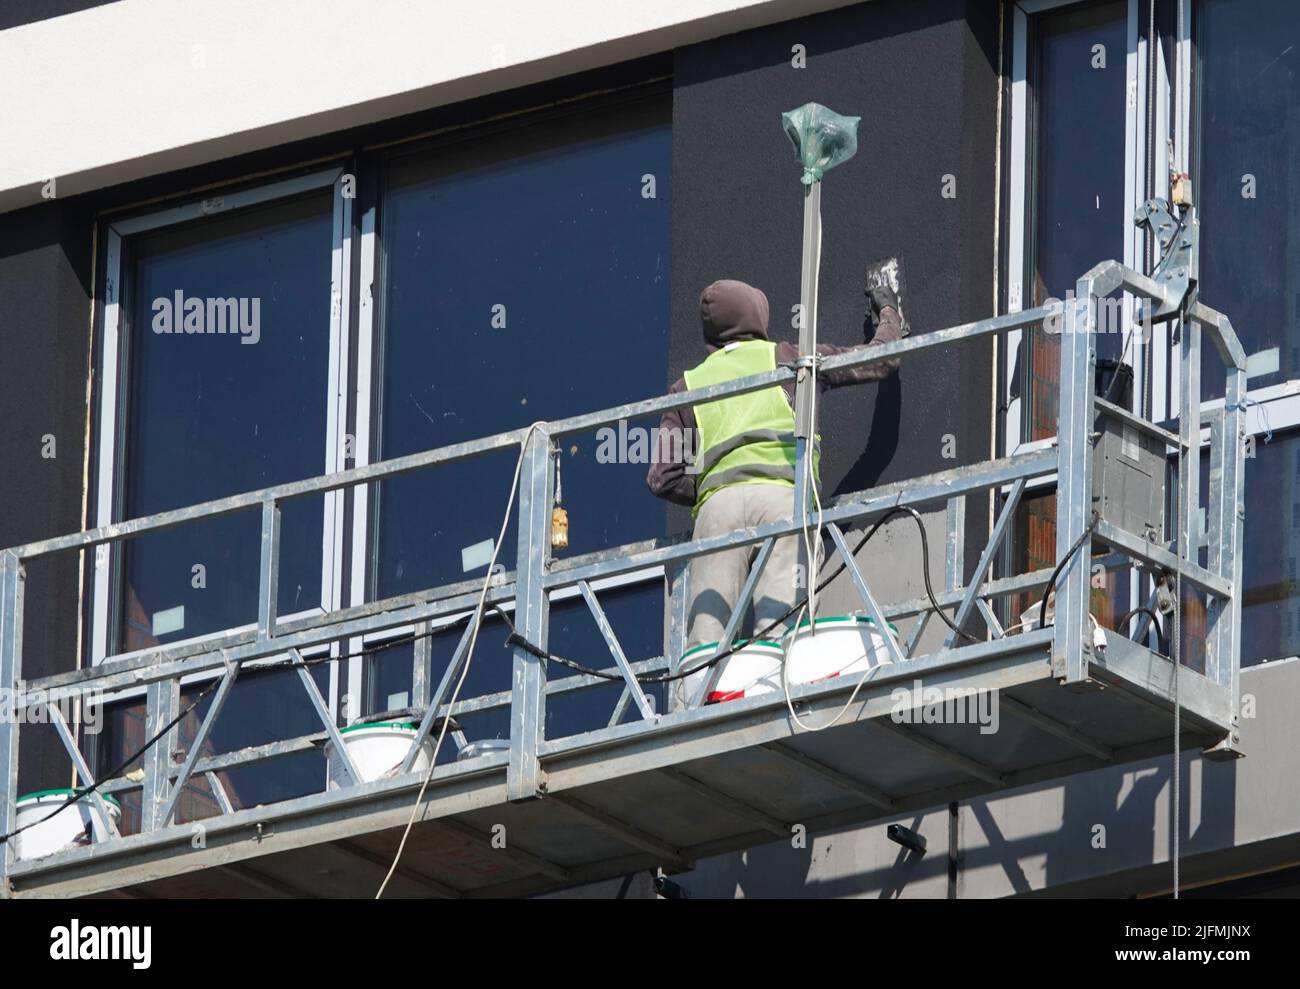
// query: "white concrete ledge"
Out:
[140,87]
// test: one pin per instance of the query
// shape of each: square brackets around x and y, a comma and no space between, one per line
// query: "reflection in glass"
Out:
[1249,185]
[212,414]
[526,279]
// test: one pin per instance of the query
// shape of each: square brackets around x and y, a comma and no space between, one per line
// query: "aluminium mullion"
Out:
[336,398]
[101,609]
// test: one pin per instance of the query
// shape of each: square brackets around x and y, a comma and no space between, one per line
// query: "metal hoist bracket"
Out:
[1179,240]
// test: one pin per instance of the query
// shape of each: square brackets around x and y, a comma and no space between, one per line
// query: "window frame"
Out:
[370,331]
[1022,162]
[105,496]
[1176,111]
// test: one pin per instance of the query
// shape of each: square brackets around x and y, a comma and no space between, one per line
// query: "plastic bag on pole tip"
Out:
[821,137]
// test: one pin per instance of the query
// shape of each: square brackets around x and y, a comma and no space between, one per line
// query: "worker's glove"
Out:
[881,297]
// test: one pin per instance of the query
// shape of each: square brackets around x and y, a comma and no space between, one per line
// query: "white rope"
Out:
[469,654]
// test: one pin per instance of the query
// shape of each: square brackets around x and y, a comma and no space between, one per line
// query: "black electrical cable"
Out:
[514,638]
[1155,620]
[1051,581]
[120,768]
[114,773]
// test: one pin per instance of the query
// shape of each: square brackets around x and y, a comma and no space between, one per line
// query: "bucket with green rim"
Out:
[753,669]
[835,645]
[377,750]
[80,823]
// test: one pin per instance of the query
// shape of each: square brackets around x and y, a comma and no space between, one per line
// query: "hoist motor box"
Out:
[1129,472]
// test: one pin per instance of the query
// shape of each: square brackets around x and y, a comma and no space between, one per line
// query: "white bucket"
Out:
[377,751]
[66,829]
[747,672]
[842,645]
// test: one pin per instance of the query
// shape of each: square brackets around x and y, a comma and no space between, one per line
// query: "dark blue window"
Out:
[211,414]
[526,279]
[1249,92]
[1078,214]
[1248,181]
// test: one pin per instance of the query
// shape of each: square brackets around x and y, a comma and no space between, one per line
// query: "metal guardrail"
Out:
[536,575]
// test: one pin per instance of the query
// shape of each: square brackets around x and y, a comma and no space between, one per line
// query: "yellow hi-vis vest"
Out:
[744,439]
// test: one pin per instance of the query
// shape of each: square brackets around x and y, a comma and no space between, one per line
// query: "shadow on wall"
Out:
[882,439]
[1110,821]
[882,870]
[923,78]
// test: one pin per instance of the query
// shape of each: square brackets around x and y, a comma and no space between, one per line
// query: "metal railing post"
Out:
[805,441]
[161,704]
[1228,508]
[1071,643]
[677,585]
[1189,436]
[268,583]
[528,688]
[12,579]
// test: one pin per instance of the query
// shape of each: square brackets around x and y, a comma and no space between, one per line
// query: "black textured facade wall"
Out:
[45,290]
[923,77]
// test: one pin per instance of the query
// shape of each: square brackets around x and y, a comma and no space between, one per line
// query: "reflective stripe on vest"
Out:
[743,438]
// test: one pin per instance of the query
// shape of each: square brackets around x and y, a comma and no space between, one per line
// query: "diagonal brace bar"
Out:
[737,615]
[439,695]
[83,770]
[611,640]
[986,560]
[877,616]
[326,716]
[201,736]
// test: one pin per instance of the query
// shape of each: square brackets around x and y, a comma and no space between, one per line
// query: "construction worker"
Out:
[742,472]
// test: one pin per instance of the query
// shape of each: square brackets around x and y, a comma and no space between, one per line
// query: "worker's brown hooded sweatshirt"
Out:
[731,311]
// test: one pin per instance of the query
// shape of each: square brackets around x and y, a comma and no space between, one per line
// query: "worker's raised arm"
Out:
[676,439]
[889,327]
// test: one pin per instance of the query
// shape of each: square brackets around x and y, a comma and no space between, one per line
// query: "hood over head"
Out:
[731,311]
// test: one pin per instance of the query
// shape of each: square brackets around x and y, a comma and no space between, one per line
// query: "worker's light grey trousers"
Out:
[715,580]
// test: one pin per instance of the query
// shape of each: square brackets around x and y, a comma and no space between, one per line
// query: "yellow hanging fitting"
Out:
[559,528]
[559,517]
